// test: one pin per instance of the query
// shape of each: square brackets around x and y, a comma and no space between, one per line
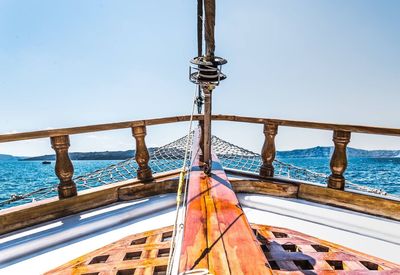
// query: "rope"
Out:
[180,185]
[171,157]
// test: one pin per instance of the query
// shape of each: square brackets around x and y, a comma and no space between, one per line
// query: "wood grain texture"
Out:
[351,200]
[293,252]
[29,214]
[157,121]
[265,187]
[284,250]
[217,235]
[50,209]
[118,257]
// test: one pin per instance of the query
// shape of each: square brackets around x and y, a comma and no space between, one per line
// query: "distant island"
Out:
[315,152]
[326,152]
[8,157]
[106,155]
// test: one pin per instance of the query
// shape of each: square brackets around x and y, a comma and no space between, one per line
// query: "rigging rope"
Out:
[171,157]
[182,175]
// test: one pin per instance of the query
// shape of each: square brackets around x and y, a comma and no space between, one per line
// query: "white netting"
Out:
[170,157]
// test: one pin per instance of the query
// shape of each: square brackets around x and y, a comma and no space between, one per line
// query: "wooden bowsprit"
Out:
[217,235]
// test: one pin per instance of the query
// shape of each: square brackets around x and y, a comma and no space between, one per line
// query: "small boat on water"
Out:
[46,162]
[196,216]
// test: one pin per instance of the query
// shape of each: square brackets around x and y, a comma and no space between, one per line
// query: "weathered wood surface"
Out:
[142,154]
[90,128]
[338,162]
[139,254]
[312,125]
[147,252]
[26,215]
[217,235]
[350,200]
[63,168]
[156,121]
[29,214]
[50,209]
[268,150]
[143,190]
[292,252]
[265,187]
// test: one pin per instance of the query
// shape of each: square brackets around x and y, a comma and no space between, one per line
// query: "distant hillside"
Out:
[319,152]
[7,157]
[107,155]
[315,152]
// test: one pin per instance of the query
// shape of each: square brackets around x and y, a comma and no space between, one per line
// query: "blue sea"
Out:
[21,177]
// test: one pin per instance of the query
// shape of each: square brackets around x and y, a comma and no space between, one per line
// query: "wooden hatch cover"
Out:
[218,237]
[287,251]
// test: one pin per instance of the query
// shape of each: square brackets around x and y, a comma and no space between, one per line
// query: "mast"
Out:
[206,72]
[217,237]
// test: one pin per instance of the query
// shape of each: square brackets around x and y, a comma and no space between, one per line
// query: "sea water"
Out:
[22,177]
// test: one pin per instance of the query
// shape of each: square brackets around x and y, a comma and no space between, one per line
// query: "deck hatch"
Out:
[132,255]
[303,264]
[99,259]
[320,248]
[167,236]
[291,248]
[297,253]
[139,241]
[370,266]
[126,272]
[336,265]
[280,234]
[163,252]
[160,270]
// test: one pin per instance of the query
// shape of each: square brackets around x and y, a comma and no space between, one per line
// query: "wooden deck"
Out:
[287,251]
[217,234]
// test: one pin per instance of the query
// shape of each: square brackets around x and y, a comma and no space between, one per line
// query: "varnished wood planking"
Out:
[240,244]
[217,235]
[307,249]
[195,233]
[305,246]
[149,259]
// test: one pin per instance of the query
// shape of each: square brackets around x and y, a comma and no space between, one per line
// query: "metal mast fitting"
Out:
[206,72]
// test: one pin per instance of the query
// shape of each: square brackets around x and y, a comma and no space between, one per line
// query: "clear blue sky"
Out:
[70,63]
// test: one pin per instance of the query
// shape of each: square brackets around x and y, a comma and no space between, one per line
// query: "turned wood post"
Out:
[142,154]
[64,168]
[339,160]
[268,151]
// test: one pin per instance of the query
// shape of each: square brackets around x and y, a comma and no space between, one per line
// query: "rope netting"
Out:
[170,157]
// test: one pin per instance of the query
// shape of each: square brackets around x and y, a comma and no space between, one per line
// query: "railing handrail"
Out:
[157,121]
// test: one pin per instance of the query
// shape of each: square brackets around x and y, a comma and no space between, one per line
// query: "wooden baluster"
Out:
[268,150]
[142,154]
[339,160]
[64,168]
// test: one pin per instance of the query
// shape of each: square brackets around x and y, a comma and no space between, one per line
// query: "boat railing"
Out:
[146,184]
[64,168]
